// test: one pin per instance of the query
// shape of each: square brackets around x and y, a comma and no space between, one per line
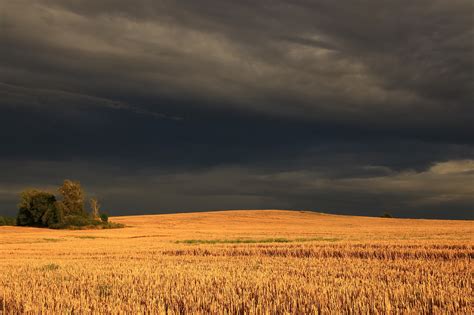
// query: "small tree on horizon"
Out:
[387,214]
[72,198]
[95,209]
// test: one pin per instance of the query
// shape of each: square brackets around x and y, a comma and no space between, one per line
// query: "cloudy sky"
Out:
[355,107]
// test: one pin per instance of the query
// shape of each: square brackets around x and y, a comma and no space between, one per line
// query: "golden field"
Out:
[246,262]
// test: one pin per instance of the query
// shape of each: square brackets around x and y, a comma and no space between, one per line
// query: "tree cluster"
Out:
[42,209]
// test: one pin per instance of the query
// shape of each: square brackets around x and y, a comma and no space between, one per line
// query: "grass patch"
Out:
[236,241]
[52,240]
[256,241]
[88,237]
[322,239]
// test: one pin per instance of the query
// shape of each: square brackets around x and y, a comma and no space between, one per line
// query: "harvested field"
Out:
[251,262]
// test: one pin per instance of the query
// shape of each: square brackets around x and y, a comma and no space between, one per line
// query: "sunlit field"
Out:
[247,262]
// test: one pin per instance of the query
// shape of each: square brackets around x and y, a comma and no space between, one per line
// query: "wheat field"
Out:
[244,262]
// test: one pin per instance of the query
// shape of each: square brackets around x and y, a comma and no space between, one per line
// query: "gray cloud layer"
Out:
[369,61]
[304,103]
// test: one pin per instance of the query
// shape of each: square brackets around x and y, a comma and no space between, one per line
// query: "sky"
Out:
[157,106]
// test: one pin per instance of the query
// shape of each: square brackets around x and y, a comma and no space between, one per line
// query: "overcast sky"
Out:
[354,107]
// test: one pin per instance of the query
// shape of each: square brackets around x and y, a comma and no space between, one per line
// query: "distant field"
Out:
[252,262]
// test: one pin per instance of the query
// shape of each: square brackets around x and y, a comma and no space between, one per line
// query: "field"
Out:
[246,262]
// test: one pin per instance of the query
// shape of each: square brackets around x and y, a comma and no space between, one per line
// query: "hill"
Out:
[231,224]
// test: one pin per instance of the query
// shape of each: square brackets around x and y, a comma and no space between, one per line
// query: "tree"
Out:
[41,209]
[37,208]
[54,215]
[95,207]
[73,198]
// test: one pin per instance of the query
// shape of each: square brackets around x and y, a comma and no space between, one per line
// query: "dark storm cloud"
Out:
[228,104]
[58,101]
[383,62]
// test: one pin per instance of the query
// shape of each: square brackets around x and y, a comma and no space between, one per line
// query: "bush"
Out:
[78,220]
[74,222]
[104,217]
[387,215]
[7,221]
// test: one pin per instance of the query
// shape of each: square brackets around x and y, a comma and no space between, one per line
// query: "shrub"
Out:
[74,222]
[7,221]
[77,220]
[104,217]
[387,215]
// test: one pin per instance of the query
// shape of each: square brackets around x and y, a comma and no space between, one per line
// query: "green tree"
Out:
[36,208]
[72,198]
[54,215]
